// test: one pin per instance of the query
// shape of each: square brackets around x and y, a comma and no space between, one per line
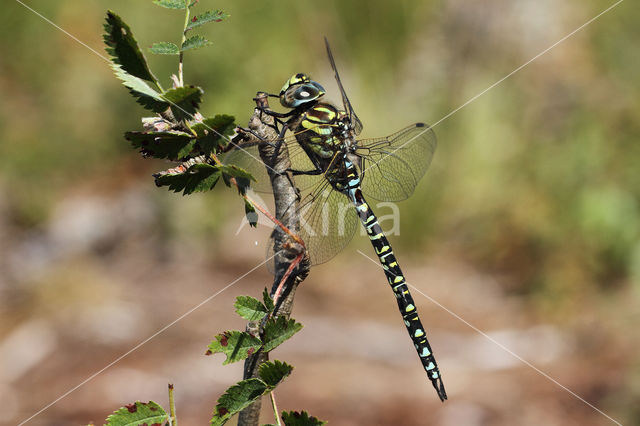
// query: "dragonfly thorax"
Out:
[323,131]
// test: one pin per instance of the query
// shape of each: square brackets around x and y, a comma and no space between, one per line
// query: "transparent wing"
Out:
[247,157]
[353,118]
[327,222]
[392,166]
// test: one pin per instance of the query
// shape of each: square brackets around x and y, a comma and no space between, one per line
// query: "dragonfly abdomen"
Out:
[398,283]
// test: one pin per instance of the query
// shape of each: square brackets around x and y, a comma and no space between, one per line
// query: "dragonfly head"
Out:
[300,90]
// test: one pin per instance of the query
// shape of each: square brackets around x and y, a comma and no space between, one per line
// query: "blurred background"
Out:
[526,227]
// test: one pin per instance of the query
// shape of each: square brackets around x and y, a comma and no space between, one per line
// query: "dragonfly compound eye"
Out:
[300,94]
[295,79]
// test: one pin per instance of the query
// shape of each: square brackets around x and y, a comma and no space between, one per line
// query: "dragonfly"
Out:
[334,171]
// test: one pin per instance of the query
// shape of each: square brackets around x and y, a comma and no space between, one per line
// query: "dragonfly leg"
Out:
[260,138]
[280,140]
[315,172]
[275,114]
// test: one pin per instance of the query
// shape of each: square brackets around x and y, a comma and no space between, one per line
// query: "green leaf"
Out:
[268,301]
[197,178]
[164,48]
[211,16]
[171,4]
[274,372]
[184,101]
[294,418]
[144,94]
[278,331]
[212,132]
[123,49]
[195,42]
[236,345]
[249,308]
[237,398]
[236,172]
[173,145]
[242,177]
[250,213]
[138,413]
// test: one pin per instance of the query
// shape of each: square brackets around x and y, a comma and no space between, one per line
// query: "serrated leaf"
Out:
[184,101]
[237,398]
[173,145]
[250,213]
[165,48]
[195,42]
[145,95]
[171,4]
[268,301]
[242,177]
[295,418]
[138,413]
[236,172]
[249,308]
[213,132]
[277,331]
[236,345]
[123,49]
[274,372]
[197,178]
[211,16]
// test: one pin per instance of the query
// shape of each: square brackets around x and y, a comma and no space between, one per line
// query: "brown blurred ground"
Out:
[526,227]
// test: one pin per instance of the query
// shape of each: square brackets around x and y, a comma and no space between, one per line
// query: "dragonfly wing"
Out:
[392,166]
[247,157]
[327,222]
[353,118]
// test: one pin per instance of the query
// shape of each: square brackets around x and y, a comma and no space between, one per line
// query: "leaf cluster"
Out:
[179,132]
[239,345]
[193,42]
[236,345]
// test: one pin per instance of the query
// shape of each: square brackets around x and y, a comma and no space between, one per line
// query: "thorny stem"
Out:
[272,395]
[172,407]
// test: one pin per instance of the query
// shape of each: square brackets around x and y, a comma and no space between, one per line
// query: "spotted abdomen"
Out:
[398,284]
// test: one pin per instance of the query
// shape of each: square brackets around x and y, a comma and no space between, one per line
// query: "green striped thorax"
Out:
[299,90]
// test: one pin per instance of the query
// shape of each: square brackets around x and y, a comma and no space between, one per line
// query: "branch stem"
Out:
[172,407]
[272,395]
[288,274]
[184,38]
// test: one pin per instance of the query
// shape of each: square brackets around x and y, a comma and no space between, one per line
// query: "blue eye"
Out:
[306,92]
[318,86]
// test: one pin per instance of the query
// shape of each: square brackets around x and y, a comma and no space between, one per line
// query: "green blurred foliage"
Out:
[537,179]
